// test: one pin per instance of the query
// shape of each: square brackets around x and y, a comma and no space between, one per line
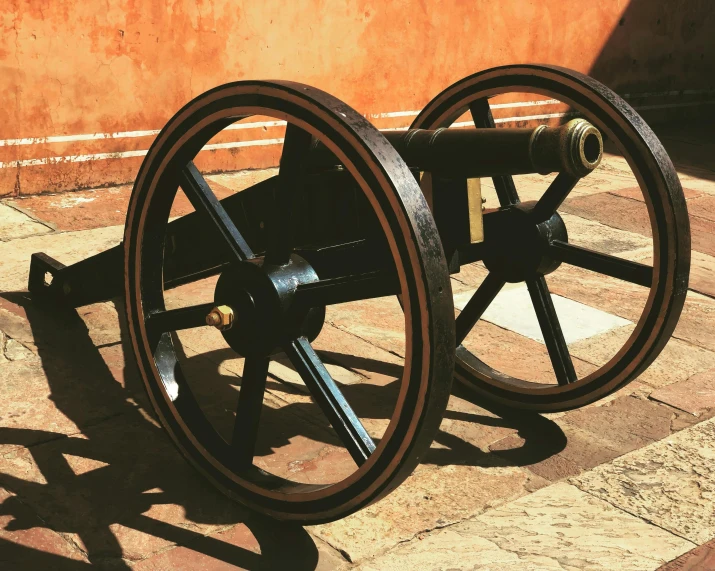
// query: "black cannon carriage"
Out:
[353,214]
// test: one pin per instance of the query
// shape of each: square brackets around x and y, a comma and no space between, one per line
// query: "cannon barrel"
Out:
[575,147]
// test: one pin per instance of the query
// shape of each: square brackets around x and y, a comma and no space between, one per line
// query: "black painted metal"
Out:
[177,319]
[480,152]
[477,305]
[553,197]
[384,242]
[482,116]
[291,182]
[516,247]
[205,202]
[328,230]
[544,245]
[619,268]
[248,413]
[327,394]
[551,330]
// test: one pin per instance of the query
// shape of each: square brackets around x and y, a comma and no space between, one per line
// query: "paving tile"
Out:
[467,430]
[591,436]
[12,350]
[67,247]
[678,361]
[37,406]
[81,209]
[27,543]
[96,208]
[36,325]
[702,557]
[611,210]
[701,183]
[240,180]
[632,216]
[120,491]
[635,193]
[15,224]
[258,545]
[670,483]
[702,274]
[695,395]
[558,528]
[702,235]
[512,309]
[548,460]
[379,321]
[431,497]
[516,355]
[604,293]
[697,321]
[469,277]
[295,440]
[626,423]
[601,236]
[233,549]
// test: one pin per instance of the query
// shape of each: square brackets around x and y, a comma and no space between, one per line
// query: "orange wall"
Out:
[72,67]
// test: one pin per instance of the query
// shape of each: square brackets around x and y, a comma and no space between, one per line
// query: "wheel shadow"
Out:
[542,437]
[118,478]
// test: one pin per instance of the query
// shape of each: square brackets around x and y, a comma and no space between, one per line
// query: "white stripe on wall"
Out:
[119,135]
[128,154]
[265,142]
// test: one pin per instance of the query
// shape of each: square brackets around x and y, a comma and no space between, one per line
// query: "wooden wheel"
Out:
[526,241]
[263,299]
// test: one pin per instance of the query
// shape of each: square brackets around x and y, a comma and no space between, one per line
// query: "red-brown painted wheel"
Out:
[665,203]
[424,285]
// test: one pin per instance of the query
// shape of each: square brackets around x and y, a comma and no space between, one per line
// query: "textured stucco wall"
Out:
[73,67]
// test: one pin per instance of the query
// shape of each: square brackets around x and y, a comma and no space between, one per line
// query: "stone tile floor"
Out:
[87,476]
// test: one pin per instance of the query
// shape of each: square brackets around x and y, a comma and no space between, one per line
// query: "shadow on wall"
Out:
[660,45]
[661,56]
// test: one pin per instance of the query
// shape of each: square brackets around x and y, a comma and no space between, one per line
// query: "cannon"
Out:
[354,214]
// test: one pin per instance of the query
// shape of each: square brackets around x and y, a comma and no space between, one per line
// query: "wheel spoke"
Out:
[612,266]
[347,288]
[177,319]
[553,197]
[204,200]
[248,413]
[291,178]
[330,399]
[477,305]
[551,330]
[482,117]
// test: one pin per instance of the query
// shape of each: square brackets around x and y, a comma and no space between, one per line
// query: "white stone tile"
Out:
[66,247]
[433,496]
[512,309]
[670,482]
[558,527]
[16,224]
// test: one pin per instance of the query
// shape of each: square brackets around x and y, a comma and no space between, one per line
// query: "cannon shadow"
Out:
[119,475]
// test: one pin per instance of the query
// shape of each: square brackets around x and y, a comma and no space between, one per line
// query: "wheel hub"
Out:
[262,298]
[518,248]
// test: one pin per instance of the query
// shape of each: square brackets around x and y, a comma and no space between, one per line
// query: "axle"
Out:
[575,148]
